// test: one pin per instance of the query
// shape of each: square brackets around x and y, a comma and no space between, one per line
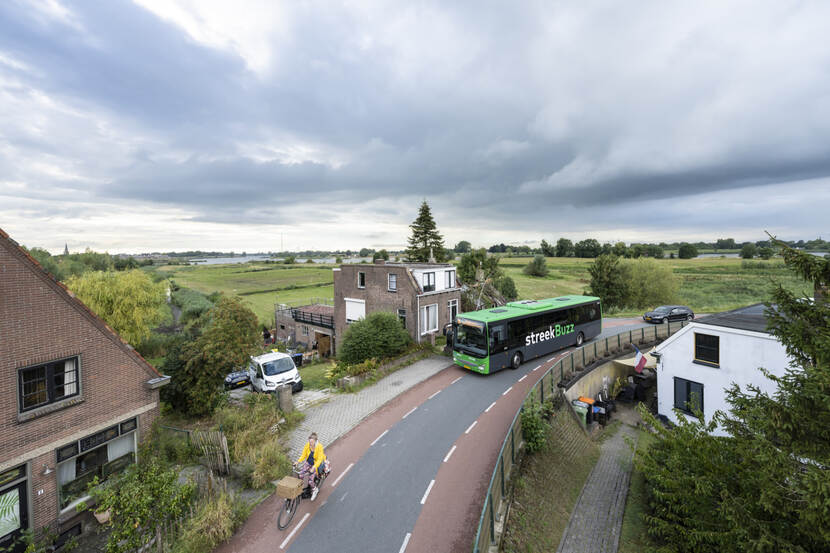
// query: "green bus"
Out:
[489,340]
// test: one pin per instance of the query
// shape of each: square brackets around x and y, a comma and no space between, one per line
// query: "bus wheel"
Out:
[516,362]
[579,339]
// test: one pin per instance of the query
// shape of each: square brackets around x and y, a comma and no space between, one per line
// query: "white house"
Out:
[699,362]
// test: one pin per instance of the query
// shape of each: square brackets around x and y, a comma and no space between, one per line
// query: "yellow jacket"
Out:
[319,455]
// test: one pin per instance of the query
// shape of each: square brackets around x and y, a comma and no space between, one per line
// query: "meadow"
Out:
[707,285]
[261,285]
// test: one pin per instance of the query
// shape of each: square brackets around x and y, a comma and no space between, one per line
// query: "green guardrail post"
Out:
[503,490]
[542,389]
[512,445]
[595,350]
[561,372]
[643,334]
[492,521]
[619,342]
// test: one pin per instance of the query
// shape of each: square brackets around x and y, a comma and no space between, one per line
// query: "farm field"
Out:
[261,285]
[707,285]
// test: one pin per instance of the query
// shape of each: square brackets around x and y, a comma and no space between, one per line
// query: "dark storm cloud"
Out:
[479,109]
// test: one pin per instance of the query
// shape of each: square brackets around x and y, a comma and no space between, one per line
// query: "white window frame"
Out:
[390,277]
[304,330]
[450,305]
[363,273]
[425,309]
[449,278]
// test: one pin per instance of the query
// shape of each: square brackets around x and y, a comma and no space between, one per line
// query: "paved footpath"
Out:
[597,517]
[342,412]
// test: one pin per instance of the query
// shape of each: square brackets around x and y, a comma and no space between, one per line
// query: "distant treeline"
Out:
[76,264]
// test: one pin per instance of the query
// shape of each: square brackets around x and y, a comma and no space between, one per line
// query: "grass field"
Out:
[261,285]
[707,285]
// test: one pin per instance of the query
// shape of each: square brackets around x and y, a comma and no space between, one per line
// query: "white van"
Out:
[269,371]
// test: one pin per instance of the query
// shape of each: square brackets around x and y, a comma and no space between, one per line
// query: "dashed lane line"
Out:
[537,367]
[456,380]
[405,541]
[342,474]
[491,406]
[291,535]
[447,458]
[426,493]
[409,412]
[379,437]
[435,394]
[522,378]
[471,427]
[504,393]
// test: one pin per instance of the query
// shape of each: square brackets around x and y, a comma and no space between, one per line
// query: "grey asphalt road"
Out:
[377,503]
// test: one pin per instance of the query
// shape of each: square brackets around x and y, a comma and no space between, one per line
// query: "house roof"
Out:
[751,318]
[68,296]
[317,308]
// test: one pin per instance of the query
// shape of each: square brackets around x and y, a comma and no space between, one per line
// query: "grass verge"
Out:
[633,536]
[547,487]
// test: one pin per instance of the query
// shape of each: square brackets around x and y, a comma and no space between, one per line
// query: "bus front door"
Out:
[498,347]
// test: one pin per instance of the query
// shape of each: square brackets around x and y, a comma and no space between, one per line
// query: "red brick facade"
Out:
[408,295]
[40,321]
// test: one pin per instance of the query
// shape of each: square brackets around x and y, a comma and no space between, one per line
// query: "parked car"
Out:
[666,313]
[237,379]
[268,372]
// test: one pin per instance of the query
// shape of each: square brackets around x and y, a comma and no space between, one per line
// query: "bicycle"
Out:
[290,505]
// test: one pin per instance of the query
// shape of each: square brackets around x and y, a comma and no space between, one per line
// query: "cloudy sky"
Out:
[159,125]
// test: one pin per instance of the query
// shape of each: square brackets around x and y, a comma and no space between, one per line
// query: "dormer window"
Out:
[429,282]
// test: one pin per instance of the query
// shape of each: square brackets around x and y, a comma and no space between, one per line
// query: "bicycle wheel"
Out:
[289,507]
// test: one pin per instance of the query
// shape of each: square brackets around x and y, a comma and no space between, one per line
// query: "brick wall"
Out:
[39,322]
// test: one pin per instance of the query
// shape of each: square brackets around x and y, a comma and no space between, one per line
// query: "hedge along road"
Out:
[412,476]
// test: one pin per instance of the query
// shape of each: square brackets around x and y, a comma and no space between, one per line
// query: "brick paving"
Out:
[342,412]
[597,517]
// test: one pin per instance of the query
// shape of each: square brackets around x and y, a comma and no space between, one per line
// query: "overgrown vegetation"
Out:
[765,486]
[214,521]
[535,427]
[536,267]
[192,303]
[634,283]
[377,336]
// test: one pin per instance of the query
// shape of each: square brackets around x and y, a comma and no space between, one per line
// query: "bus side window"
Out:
[497,338]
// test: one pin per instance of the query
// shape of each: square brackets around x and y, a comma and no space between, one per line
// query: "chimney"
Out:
[431,256]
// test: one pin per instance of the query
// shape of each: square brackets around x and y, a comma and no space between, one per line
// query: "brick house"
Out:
[425,296]
[310,326]
[75,399]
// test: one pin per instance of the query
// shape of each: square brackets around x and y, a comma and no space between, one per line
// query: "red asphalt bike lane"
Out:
[260,534]
[449,520]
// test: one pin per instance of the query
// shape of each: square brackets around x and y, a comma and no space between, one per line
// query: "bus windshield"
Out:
[471,338]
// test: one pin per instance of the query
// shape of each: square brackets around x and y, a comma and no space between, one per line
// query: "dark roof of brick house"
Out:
[70,298]
[318,309]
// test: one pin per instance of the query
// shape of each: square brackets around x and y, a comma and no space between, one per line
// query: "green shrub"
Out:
[534,426]
[378,336]
[648,282]
[192,303]
[537,267]
[172,446]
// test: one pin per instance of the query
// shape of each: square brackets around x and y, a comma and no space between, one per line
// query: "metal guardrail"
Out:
[326,321]
[544,388]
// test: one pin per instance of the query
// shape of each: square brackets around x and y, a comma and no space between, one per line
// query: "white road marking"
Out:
[537,367]
[409,413]
[342,474]
[471,427]
[379,437]
[456,380]
[551,359]
[504,393]
[405,541]
[447,458]
[291,535]
[344,497]
[522,378]
[491,406]
[435,394]
[426,493]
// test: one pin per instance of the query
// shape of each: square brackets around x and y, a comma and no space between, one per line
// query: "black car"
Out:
[666,313]
[236,380]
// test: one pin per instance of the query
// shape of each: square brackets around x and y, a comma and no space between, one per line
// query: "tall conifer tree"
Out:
[424,236]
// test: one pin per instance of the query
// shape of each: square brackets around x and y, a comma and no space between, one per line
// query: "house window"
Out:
[402,317]
[99,455]
[355,309]
[48,383]
[688,395]
[361,280]
[429,282]
[304,330]
[450,275]
[429,318]
[452,308]
[707,349]
[393,282]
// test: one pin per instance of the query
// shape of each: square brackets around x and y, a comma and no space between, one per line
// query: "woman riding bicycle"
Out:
[315,463]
